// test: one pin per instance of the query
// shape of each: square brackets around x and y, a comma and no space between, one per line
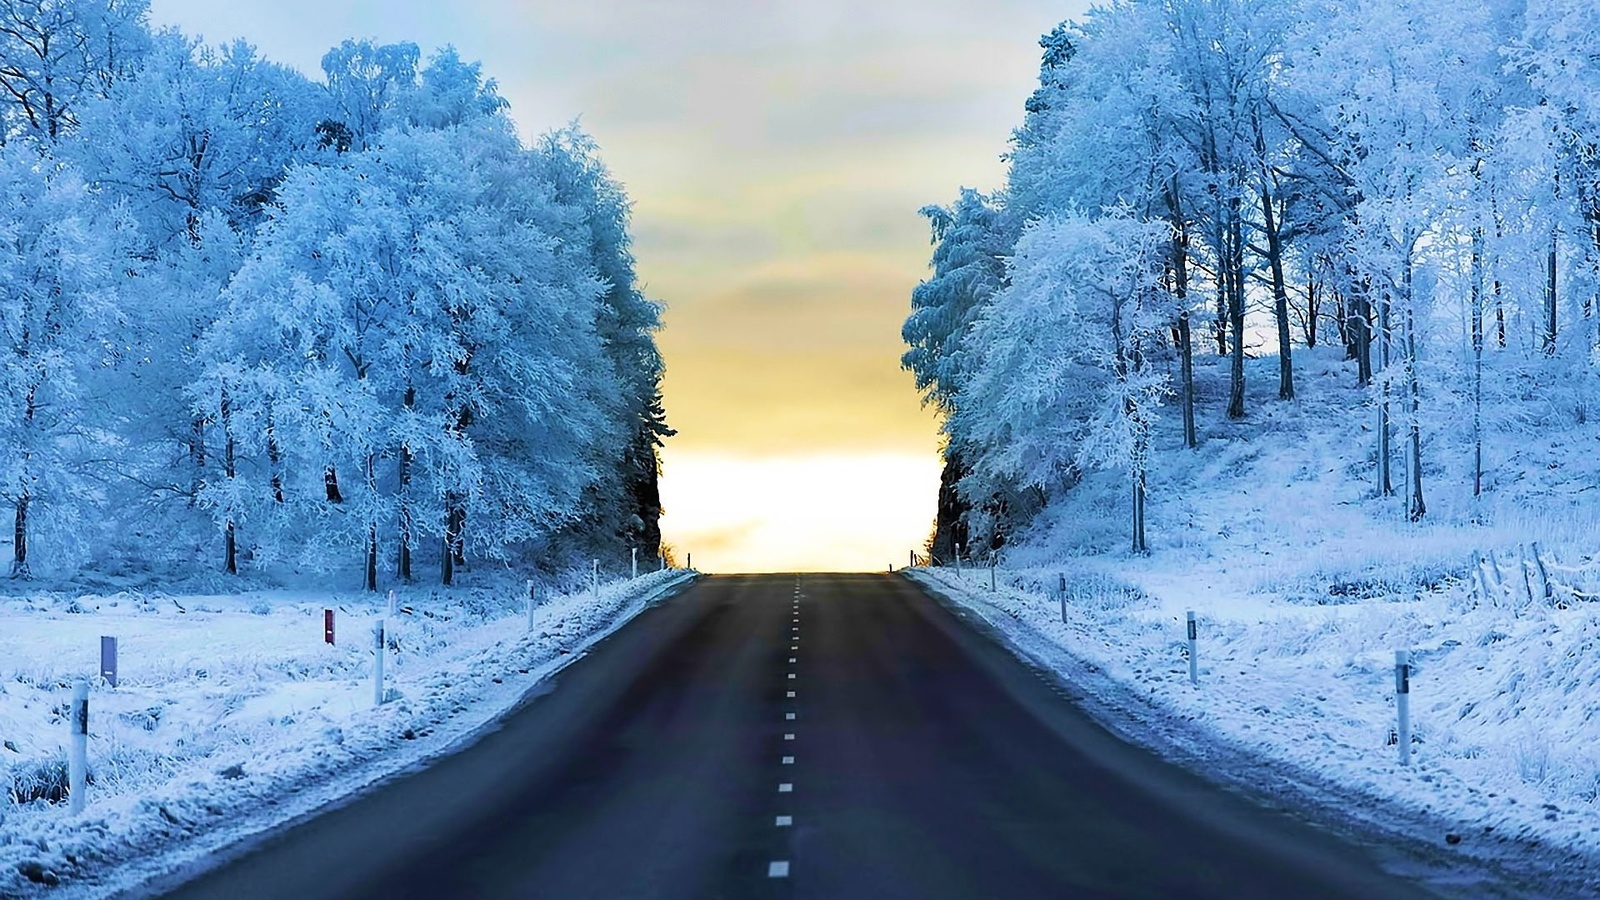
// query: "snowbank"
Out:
[233,716]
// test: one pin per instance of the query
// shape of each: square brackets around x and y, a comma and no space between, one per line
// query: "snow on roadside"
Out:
[233,716]
[1506,747]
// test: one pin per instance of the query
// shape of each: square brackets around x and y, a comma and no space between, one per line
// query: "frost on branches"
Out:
[255,320]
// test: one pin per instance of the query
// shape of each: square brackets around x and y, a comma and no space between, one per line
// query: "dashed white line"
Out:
[788,760]
[789,716]
[789,736]
[786,788]
[784,821]
[778,869]
[791,675]
[791,695]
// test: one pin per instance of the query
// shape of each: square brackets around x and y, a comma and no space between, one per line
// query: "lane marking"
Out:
[788,760]
[778,869]
[791,695]
[791,674]
[789,716]
[791,659]
[785,821]
[786,788]
[789,736]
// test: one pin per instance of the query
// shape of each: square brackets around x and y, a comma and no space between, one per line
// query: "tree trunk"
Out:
[230,541]
[1550,300]
[1416,508]
[1139,544]
[372,527]
[1313,309]
[19,540]
[1221,325]
[330,480]
[404,490]
[1191,438]
[1499,235]
[1235,281]
[275,458]
[1361,325]
[1271,221]
[197,456]
[950,519]
[1385,482]
[1180,291]
[372,559]
[452,554]
[1280,300]
[1477,362]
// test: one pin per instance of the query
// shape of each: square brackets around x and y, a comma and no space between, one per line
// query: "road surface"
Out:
[814,736]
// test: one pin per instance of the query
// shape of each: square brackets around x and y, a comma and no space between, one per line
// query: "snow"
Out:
[232,716]
[1305,584]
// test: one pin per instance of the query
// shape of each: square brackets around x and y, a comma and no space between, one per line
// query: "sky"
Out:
[776,154]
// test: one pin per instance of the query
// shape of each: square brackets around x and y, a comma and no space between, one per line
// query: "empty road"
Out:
[814,736]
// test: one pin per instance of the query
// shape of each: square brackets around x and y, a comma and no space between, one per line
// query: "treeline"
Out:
[261,320]
[1418,180]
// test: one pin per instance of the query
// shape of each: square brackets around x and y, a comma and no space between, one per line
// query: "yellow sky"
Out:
[776,154]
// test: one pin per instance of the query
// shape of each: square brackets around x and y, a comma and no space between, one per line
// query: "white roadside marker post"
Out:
[78,749]
[1402,702]
[992,562]
[688,560]
[394,606]
[377,663]
[958,560]
[1194,662]
[594,580]
[634,551]
[1063,591]
[530,603]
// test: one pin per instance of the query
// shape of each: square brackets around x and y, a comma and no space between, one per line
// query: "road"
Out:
[815,736]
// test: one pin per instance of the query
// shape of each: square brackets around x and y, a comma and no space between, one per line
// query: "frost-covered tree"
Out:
[626,502]
[62,260]
[970,243]
[1062,382]
[57,54]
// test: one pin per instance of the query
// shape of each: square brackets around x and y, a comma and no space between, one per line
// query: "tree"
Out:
[57,54]
[61,261]
[968,268]
[1061,382]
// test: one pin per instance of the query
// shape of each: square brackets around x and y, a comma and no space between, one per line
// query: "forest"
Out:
[253,322]
[1198,182]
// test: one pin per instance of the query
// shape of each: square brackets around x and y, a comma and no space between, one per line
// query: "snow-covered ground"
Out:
[233,715]
[1305,584]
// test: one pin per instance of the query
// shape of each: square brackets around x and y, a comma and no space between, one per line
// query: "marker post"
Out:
[1402,702]
[1194,662]
[78,749]
[108,660]
[378,641]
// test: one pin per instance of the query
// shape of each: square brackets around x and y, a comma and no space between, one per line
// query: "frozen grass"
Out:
[1306,582]
[226,702]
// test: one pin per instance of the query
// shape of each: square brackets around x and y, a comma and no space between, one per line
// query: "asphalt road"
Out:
[819,736]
